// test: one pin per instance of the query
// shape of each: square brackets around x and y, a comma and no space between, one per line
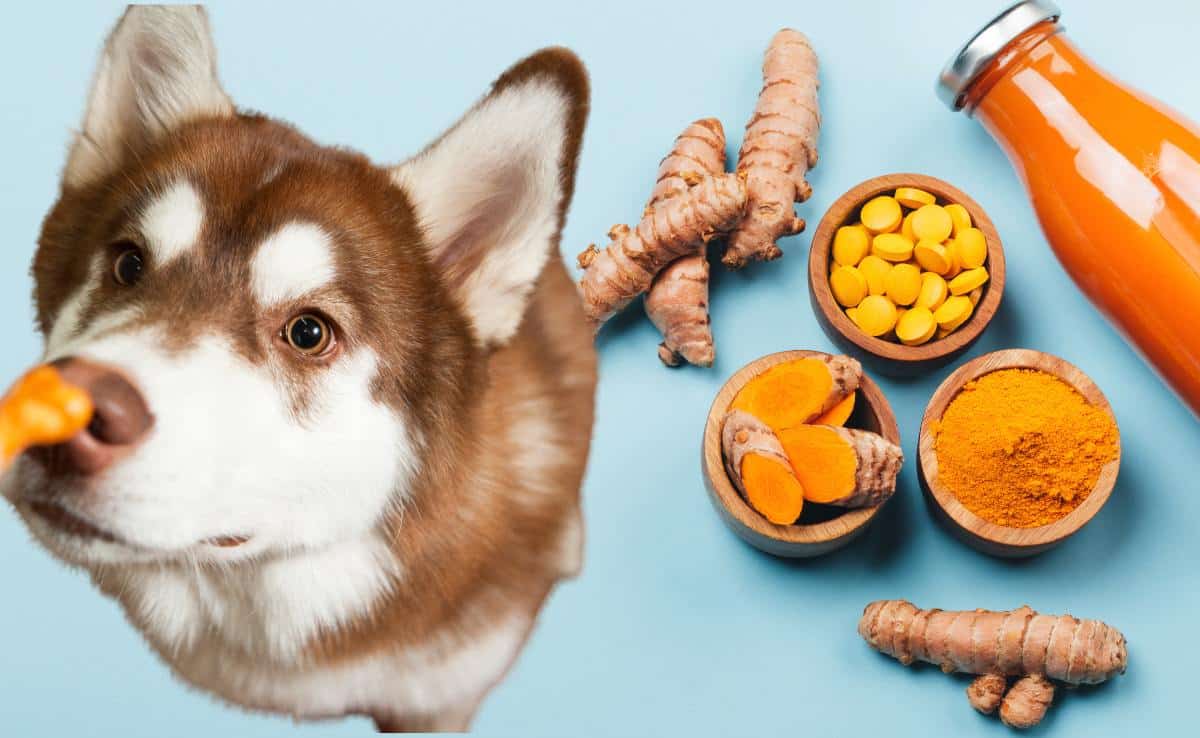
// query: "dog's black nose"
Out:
[121,419]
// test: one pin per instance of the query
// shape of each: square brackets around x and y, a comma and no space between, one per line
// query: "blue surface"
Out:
[676,627]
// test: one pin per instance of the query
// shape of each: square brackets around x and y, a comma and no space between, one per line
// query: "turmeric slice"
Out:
[41,410]
[677,301]
[839,413]
[797,392]
[759,469]
[842,466]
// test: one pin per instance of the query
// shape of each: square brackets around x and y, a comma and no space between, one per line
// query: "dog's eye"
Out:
[128,266]
[308,334]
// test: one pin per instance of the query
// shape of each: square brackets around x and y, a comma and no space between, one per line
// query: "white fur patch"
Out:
[66,322]
[172,222]
[292,262]
[443,676]
[512,144]
[271,609]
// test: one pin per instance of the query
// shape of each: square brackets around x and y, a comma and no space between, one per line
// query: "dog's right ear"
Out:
[158,69]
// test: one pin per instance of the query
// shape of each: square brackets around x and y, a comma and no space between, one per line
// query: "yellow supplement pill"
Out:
[916,326]
[975,296]
[906,228]
[932,223]
[850,244]
[953,312]
[876,271]
[911,197]
[972,247]
[852,314]
[932,257]
[968,280]
[903,284]
[876,315]
[960,216]
[892,247]
[953,258]
[881,214]
[849,286]
[933,291]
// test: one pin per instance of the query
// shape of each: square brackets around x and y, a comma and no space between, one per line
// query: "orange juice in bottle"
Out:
[1114,177]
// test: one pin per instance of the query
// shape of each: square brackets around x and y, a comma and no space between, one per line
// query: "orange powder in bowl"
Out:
[1021,448]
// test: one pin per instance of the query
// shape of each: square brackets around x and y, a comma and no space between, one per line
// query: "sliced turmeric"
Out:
[624,269]
[759,469]
[41,410]
[997,645]
[842,466]
[677,301]
[839,413]
[797,392]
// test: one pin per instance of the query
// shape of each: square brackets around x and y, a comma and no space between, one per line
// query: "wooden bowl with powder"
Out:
[821,528]
[1014,462]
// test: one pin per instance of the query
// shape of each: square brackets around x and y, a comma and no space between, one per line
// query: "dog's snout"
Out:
[121,419]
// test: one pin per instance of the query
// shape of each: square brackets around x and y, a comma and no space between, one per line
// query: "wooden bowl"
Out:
[989,537]
[836,527]
[889,357]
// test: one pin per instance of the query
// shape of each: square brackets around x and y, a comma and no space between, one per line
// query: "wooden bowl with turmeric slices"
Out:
[890,356]
[1005,540]
[821,528]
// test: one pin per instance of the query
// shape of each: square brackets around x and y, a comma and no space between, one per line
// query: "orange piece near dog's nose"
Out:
[41,410]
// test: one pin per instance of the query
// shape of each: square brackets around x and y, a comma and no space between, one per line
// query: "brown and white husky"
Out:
[343,410]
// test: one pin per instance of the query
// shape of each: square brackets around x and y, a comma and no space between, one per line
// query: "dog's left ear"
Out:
[491,193]
[158,70]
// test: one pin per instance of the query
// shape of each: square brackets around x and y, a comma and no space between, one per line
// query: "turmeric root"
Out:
[842,466]
[1027,701]
[41,410]
[759,468]
[625,268]
[986,691]
[677,302]
[779,148]
[1017,643]
[677,305]
[797,392]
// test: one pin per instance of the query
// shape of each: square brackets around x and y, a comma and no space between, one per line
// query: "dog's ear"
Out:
[492,192]
[158,69]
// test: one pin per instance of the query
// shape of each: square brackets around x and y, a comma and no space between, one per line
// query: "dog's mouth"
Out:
[65,521]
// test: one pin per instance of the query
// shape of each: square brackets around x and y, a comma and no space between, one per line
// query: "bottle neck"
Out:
[1013,57]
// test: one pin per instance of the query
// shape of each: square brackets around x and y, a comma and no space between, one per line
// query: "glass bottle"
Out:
[1113,175]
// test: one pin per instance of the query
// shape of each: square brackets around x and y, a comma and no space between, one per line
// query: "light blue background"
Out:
[676,627]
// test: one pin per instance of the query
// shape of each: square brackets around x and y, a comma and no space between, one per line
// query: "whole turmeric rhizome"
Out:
[784,444]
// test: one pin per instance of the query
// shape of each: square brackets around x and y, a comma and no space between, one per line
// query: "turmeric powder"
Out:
[1021,448]
[40,410]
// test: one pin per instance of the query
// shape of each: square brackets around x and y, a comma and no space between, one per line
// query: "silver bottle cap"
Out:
[978,53]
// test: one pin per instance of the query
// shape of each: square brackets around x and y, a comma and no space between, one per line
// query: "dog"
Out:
[343,410]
